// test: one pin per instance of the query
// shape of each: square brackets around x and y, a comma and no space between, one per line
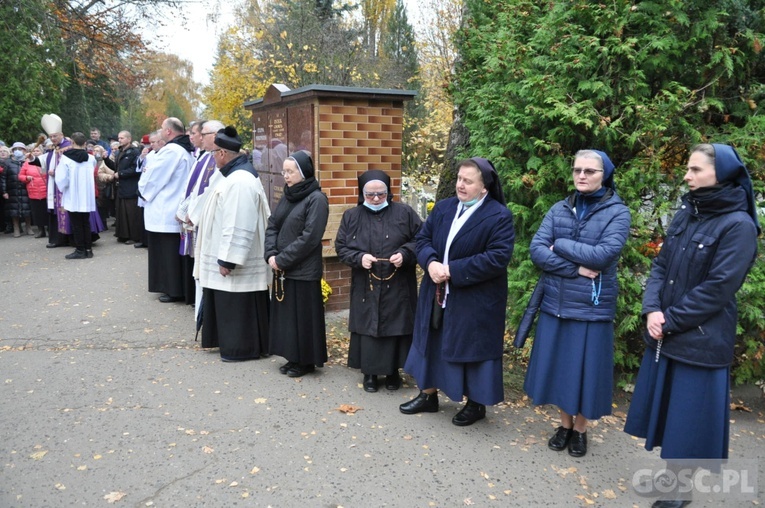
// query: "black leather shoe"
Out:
[471,413]
[423,403]
[560,439]
[675,503]
[577,446]
[286,367]
[168,299]
[89,253]
[300,370]
[393,381]
[52,245]
[370,383]
[41,234]
[78,254]
[139,245]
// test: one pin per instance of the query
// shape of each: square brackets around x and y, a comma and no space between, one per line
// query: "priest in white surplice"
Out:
[76,179]
[162,188]
[229,255]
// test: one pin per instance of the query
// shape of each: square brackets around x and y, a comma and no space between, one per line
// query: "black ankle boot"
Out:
[471,413]
[392,381]
[370,383]
[423,403]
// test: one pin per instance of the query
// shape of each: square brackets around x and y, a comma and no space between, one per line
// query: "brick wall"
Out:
[355,135]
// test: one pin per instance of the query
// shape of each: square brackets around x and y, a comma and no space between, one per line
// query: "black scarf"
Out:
[299,191]
[718,199]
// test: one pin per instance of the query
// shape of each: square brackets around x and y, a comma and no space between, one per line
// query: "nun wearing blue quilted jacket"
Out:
[577,247]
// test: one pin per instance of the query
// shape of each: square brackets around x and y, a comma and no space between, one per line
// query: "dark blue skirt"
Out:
[572,366]
[478,381]
[682,408]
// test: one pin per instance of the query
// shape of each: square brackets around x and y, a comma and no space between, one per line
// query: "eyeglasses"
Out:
[290,173]
[370,195]
[216,150]
[587,171]
[206,133]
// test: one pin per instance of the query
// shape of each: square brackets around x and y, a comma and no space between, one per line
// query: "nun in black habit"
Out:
[376,239]
[293,251]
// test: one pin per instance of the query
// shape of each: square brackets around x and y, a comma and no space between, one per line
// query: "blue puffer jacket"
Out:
[595,242]
[710,246]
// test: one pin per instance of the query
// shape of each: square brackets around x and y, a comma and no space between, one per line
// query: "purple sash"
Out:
[207,163]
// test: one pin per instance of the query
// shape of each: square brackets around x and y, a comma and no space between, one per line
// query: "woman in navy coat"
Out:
[682,393]
[464,246]
[578,247]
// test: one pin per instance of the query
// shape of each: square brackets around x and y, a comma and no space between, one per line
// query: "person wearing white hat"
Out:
[52,125]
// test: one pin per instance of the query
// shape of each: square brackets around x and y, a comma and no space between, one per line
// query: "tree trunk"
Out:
[458,144]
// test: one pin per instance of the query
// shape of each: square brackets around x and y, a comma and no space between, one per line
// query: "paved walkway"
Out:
[106,398]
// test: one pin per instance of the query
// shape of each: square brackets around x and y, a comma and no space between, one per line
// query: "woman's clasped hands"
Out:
[438,272]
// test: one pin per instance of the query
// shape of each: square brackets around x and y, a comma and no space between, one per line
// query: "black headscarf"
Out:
[374,174]
[300,190]
[490,179]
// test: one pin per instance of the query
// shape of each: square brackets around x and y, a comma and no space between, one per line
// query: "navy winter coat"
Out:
[474,318]
[595,242]
[710,246]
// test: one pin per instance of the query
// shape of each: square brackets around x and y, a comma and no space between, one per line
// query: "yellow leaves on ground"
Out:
[348,408]
[113,497]
[38,455]
[207,449]
[739,406]
[563,472]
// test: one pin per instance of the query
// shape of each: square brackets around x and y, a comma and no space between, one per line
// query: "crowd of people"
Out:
[195,200]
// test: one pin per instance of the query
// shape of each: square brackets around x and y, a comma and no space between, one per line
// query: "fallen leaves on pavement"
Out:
[348,408]
[113,497]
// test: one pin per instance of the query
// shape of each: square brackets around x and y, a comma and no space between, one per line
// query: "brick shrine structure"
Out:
[347,131]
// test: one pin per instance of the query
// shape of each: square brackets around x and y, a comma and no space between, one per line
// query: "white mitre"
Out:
[51,124]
